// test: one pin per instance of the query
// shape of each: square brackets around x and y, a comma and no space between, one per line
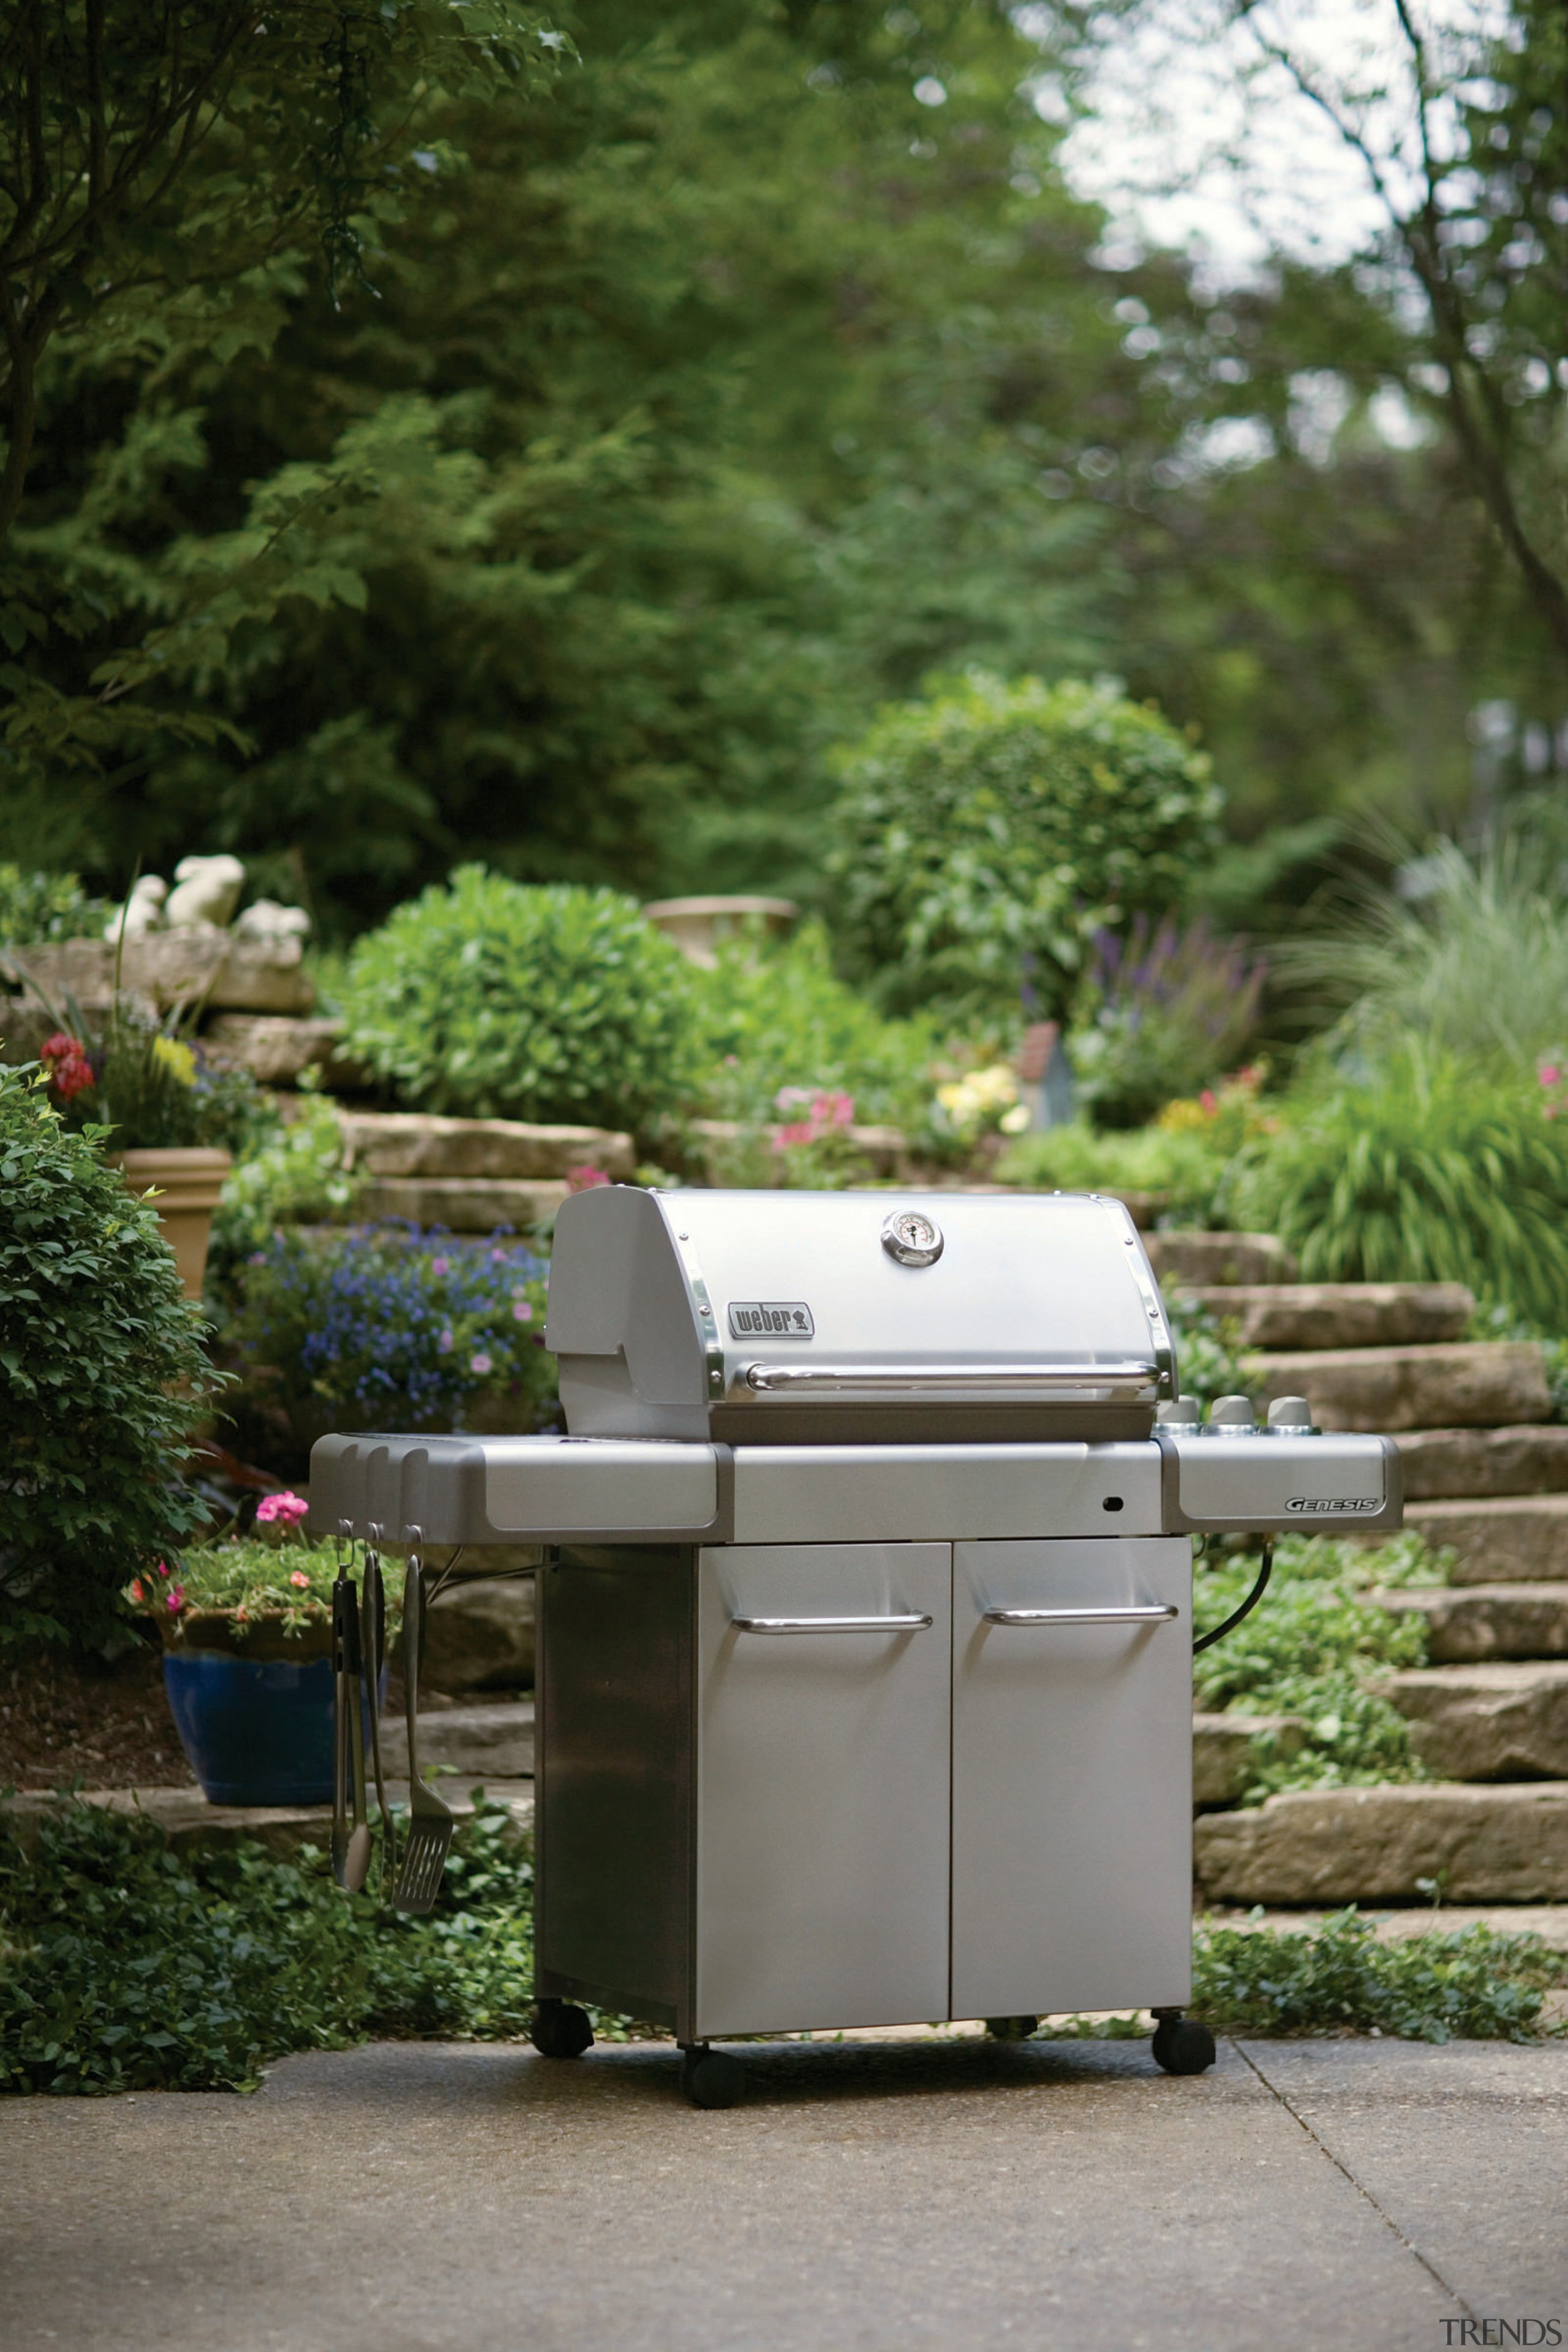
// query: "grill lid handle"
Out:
[1068,1383]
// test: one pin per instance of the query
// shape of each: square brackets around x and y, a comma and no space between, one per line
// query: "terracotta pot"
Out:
[187,1185]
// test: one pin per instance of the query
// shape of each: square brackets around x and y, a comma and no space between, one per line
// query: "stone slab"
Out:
[1502,1843]
[1501,1539]
[410,1143]
[1190,1260]
[495,1741]
[1467,1623]
[1321,1314]
[1487,1382]
[1444,1463]
[1547,1921]
[188,1819]
[1222,1751]
[274,1046]
[1506,1720]
[481,1636]
[464,1205]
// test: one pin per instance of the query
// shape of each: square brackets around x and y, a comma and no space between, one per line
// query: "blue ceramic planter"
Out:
[256,1731]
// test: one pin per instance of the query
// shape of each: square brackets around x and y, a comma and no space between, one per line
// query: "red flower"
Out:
[66,1064]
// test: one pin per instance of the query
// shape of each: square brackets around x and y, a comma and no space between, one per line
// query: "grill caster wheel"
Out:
[1183,2046]
[1011,2029]
[559,2031]
[710,2079]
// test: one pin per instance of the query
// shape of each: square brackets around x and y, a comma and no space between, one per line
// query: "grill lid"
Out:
[809,1318]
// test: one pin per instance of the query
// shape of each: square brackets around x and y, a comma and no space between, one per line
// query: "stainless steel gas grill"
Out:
[865,1633]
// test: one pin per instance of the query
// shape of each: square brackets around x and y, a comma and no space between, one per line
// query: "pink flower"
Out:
[583,1179]
[176,1599]
[833,1110]
[791,1098]
[440,1265]
[801,1132]
[445,1343]
[1208,1100]
[523,1312]
[66,1064]
[1550,1075]
[163,1570]
[285,1511]
[298,1576]
[242,1615]
[480,1364]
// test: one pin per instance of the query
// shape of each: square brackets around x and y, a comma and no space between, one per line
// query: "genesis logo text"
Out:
[1335,1503]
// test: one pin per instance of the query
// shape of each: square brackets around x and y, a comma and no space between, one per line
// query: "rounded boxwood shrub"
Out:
[988,833]
[100,1379]
[489,999]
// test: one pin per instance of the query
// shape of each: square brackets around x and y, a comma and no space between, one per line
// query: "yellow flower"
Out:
[1015,1121]
[177,1059]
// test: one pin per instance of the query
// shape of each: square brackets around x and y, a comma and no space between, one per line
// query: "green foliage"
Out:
[1475,1983]
[1208,1359]
[37,906]
[143,1083]
[1161,1017]
[487,999]
[1469,955]
[777,1017]
[101,1376]
[1422,1171]
[275,1573]
[124,1967]
[1183,1164]
[1311,1648]
[989,833]
[290,1175]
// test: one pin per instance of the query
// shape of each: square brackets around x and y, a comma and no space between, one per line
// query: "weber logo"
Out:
[771,1318]
[1335,1503]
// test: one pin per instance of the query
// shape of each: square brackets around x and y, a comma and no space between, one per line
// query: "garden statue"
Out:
[142,912]
[206,890]
[282,930]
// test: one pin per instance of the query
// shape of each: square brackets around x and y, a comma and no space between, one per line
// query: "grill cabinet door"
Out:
[822,1819]
[1071,1779]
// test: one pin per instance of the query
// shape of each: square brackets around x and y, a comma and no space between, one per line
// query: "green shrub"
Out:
[988,833]
[100,1381]
[124,1967]
[1208,1361]
[35,908]
[290,1175]
[1311,1648]
[489,999]
[1074,1159]
[778,1017]
[1339,1978]
[1423,1170]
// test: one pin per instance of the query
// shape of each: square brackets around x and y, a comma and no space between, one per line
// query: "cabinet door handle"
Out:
[1145,1612]
[908,1622]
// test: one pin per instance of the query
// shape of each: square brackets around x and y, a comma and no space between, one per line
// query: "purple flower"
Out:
[445,1343]
[480,1364]
[523,1312]
[440,1265]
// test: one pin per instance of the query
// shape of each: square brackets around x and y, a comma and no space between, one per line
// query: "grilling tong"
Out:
[359,1652]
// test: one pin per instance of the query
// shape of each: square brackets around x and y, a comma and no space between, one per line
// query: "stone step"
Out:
[410,1143]
[1492,1722]
[1502,1843]
[1467,1623]
[1501,1538]
[1319,1315]
[1489,1383]
[464,1205]
[188,1819]
[1223,1750]
[496,1740]
[1445,1463]
[1186,1260]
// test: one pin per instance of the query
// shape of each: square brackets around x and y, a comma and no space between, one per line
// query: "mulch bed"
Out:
[64,1721]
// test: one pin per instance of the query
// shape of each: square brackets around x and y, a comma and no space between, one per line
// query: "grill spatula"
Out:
[430,1821]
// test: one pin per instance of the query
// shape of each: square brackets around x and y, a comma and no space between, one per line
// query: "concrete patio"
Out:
[879,2193]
